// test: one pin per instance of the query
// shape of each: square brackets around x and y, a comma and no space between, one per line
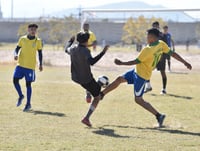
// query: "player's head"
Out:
[152,35]
[82,37]
[86,27]
[165,29]
[155,25]
[32,29]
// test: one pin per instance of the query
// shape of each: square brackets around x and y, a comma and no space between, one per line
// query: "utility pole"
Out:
[12,9]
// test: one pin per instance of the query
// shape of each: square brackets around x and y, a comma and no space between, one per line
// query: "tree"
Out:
[134,30]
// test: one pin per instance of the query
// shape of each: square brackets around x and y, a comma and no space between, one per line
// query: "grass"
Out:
[119,124]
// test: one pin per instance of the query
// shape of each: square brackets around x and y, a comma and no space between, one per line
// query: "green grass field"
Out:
[119,124]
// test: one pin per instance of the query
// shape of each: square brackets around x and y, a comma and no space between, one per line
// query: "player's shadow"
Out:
[162,129]
[36,112]
[176,96]
[171,131]
[108,132]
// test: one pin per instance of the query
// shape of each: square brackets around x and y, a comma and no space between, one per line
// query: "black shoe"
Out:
[160,120]
[27,107]
[20,99]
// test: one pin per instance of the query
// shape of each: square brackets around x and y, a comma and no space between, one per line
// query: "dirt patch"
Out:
[59,58]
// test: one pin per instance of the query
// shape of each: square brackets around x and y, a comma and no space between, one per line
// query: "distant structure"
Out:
[1,14]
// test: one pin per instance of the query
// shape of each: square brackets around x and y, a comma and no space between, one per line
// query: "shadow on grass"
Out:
[164,129]
[176,96]
[108,132]
[35,112]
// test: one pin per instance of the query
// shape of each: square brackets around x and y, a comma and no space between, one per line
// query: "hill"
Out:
[167,16]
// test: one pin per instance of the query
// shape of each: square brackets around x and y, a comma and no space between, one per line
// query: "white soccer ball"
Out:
[103,81]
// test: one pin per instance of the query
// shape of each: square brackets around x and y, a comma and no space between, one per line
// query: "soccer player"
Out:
[145,63]
[92,42]
[29,45]
[81,60]
[155,25]
[167,38]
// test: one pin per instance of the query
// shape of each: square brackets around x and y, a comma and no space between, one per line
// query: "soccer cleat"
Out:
[88,98]
[163,91]
[20,100]
[27,107]
[86,122]
[160,120]
[148,89]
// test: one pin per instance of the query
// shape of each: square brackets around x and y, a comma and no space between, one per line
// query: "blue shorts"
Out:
[139,83]
[21,72]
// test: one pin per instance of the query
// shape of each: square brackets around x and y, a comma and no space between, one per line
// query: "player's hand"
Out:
[105,48]
[118,62]
[41,68]
[189,66]
[15,57]
[72,39]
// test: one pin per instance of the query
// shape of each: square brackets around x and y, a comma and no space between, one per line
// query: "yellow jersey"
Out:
[91,39]
[149,58]
[27,55]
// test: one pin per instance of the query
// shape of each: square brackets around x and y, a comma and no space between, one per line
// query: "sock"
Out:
[18,88]
[148,84]
[164,82]
[29,92]
[91,110]
[158,115]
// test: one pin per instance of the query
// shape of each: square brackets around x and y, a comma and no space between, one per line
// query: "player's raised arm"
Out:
[132,62]
[94,60]
[179,58]
[69,44]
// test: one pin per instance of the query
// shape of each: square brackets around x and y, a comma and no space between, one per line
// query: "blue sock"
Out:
[29,92]
[18,88]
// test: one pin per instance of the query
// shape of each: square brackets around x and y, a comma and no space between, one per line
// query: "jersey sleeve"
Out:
[93,37]
[39,45]
[19,42]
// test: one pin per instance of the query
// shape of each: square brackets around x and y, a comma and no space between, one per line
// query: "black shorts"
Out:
[93,87]
[161,64]
[167,56]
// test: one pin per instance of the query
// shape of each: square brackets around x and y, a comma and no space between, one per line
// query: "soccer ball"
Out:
[103,81]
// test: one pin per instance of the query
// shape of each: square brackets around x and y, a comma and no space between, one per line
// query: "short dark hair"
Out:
[155,23]
[165,26]
[32,25]
[82,37]
[154,32]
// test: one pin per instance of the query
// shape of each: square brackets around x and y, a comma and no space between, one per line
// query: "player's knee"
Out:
[28,84]
[138,100]
[15,81]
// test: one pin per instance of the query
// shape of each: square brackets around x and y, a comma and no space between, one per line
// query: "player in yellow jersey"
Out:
[92,42]
[145,63]
[25,54]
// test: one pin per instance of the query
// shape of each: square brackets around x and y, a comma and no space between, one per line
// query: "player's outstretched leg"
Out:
[19,91]
[113,86]
[150,108]
[93,106]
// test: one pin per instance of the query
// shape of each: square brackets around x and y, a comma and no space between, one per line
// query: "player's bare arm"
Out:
[132,62]
[179,58]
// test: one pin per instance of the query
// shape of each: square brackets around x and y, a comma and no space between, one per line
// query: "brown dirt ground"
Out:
[59,58]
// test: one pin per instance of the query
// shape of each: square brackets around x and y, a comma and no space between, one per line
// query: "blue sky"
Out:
[36,8]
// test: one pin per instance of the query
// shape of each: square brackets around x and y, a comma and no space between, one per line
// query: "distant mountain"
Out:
[167,16]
